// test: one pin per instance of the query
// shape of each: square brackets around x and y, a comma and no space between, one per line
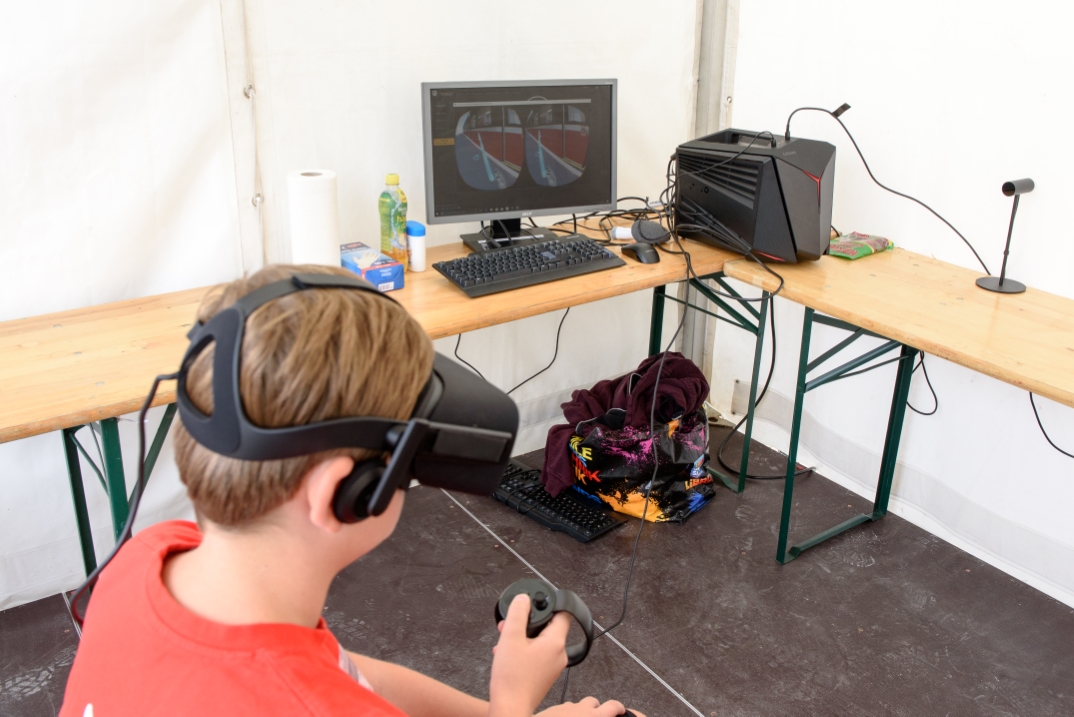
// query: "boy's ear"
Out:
[320,486]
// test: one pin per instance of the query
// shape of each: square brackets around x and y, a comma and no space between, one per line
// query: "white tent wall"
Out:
[117,181]
[127,152]
[949,101]
[338,87]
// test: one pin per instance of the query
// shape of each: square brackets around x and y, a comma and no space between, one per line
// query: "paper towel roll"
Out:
[314,217]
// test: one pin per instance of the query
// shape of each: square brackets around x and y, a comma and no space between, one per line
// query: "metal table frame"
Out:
[109,473]
[754,325]
[894,430]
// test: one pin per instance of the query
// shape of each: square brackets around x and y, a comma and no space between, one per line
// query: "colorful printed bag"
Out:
[614,463]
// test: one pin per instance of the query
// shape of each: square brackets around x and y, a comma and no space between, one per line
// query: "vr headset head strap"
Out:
[228,431]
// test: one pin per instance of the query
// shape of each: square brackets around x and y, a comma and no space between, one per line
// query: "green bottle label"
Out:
[392,207]
[386,205]
[399,224]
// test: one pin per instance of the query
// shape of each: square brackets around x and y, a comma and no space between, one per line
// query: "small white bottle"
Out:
[415,244]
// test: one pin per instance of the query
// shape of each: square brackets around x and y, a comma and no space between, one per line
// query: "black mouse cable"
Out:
[835,115]
[1041,426]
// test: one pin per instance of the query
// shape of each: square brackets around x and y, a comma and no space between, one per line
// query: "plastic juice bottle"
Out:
[392,207]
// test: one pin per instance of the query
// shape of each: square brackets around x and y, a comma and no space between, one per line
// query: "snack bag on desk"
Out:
[856,245]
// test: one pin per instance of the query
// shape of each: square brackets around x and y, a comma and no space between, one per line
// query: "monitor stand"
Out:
[505,233]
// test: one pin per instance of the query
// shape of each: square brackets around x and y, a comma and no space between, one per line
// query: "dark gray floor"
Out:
[885,620]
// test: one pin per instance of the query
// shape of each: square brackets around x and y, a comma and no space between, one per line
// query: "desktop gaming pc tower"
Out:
[754,191]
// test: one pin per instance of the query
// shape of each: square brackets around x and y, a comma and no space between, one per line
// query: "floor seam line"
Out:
[538,573]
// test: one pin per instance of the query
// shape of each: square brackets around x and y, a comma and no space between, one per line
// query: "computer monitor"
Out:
[498,152]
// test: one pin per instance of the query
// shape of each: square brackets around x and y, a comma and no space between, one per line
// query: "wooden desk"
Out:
[65,370]
[918,304]
[72,367]
[1022,339]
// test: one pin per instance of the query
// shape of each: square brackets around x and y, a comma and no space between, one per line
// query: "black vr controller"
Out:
[545,602]
[458,437]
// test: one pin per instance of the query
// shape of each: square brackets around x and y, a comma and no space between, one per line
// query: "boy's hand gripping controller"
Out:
[545,602]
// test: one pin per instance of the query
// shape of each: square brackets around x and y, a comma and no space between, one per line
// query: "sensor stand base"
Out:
[1009,286]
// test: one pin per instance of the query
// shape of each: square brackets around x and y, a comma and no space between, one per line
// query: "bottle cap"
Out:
[415,229]
[392,179]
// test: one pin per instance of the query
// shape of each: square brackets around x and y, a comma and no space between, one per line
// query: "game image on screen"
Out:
[504,149]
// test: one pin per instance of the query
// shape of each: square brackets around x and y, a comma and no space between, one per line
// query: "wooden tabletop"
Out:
[1022,339]
[69,368]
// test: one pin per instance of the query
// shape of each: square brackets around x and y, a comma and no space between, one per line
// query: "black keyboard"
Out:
[516,266]
[577,516]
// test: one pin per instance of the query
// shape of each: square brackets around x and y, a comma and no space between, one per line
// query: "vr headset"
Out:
[459,436]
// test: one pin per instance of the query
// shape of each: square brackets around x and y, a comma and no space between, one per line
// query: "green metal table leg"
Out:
[113,472]
[158,440]
[657,326]
[891,440]
[894,434]
[78,494]
[752,405]
[792,450]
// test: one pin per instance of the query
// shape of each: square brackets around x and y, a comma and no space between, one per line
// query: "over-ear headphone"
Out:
[647,231]
[355,492]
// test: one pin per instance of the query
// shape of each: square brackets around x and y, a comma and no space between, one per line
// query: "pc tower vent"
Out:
[739,176]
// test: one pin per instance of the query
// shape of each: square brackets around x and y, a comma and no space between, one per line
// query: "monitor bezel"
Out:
[427,144]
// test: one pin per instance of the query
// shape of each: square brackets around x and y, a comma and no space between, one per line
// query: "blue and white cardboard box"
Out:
[381,271]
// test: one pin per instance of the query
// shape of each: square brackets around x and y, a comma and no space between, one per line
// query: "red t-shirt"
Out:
[142,653]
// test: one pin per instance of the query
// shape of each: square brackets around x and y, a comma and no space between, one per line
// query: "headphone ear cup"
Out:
[351,501]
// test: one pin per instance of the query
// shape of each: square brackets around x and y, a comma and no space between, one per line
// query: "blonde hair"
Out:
[309,356]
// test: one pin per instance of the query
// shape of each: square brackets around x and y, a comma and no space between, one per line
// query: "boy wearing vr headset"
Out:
[224,617]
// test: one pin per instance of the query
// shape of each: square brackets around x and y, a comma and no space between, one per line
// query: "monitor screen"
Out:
[498,150]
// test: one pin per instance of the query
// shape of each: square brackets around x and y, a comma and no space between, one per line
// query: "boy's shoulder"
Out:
[143,653]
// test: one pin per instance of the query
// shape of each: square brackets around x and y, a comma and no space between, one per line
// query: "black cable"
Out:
[558,330]
[473,368]
[1037,416]
[135,501]
[935,400]
[507,233]
[652,479]
[460,358]
[566,678]
[837,232]
[712,227]
[835,116]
